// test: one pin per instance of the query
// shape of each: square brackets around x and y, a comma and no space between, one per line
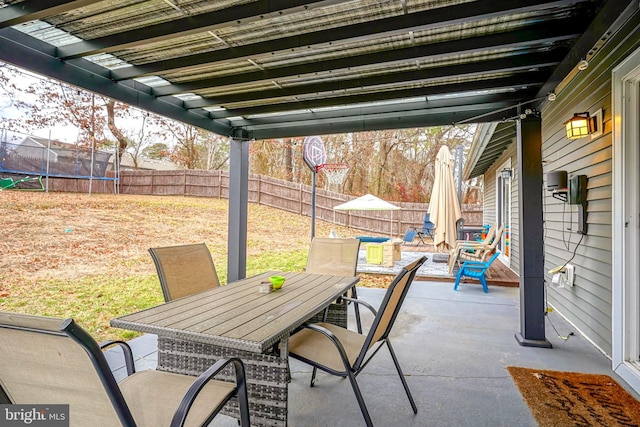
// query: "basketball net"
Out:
[335,174]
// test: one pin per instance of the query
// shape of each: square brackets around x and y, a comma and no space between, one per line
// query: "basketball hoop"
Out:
[335,173]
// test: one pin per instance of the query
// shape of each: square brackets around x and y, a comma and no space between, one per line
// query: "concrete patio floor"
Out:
[454,348]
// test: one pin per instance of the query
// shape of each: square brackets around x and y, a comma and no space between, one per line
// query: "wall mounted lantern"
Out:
[579,126]
[505,173]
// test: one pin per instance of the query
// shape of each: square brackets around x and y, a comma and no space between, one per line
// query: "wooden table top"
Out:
[237,315]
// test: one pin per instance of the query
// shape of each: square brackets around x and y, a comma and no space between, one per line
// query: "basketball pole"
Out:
[315,156]
[313,202]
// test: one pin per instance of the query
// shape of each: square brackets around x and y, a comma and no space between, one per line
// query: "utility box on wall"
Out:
[578,196]
[578,190]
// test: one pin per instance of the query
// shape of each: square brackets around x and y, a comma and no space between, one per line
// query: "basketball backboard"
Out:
[313,152]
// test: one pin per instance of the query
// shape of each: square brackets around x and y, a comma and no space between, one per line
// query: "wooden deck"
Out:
[499,275]
[502,275]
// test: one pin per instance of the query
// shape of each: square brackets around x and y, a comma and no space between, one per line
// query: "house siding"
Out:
[490,197]
[588,304]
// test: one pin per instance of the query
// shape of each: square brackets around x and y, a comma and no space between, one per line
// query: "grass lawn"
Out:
[85,256]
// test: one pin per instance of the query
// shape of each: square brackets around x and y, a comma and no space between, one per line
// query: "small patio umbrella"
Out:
[444,208]
[369,202]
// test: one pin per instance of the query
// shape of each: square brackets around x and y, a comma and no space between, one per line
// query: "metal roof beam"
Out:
[434,18]
[525,79]
[30,10]
[366,122]
[245,13]
[517,63]
[541,34]
[386,110]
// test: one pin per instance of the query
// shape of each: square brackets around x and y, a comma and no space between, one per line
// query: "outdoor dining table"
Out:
[238,320]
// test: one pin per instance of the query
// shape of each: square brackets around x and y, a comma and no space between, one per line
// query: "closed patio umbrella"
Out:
[444,208]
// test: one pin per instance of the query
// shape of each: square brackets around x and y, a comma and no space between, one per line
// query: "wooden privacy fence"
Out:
[277,193]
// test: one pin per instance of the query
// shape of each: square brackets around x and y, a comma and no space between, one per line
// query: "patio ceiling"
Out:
[277,68]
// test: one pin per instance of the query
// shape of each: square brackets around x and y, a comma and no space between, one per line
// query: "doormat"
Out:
[575,399]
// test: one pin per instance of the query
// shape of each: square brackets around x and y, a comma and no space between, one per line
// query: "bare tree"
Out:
[394,164]
[45,103]
[191,147]
[216,151]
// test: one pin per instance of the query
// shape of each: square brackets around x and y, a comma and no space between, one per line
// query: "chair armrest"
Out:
[472,247]
[180,415]
[469,243]
[359,301]
[474,264]
[126,353]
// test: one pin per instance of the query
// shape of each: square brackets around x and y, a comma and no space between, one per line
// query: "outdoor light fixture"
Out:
[579,126]
[505,173]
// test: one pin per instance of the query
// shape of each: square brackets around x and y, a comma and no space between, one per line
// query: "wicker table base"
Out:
[337,315]
[267,376]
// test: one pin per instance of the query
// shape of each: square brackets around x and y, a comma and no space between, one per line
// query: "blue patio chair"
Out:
[409,236]
[475,270]
[422,232]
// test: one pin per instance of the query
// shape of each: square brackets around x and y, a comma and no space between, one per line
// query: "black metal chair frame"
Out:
[381,338]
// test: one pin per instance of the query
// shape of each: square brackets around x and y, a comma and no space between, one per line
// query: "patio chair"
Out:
[184,270]
[481,253]
[409,237]
[48,360]
[337,257]
[484,242]
[345,353]
[425,230]
[453,253]
[475,270]
[474,252]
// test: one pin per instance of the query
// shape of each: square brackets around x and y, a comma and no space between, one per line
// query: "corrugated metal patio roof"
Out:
[275,68]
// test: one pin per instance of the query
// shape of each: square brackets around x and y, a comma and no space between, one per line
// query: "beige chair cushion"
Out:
[147,393]
[317,347]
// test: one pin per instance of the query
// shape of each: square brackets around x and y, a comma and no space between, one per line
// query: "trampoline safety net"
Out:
[34,156]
